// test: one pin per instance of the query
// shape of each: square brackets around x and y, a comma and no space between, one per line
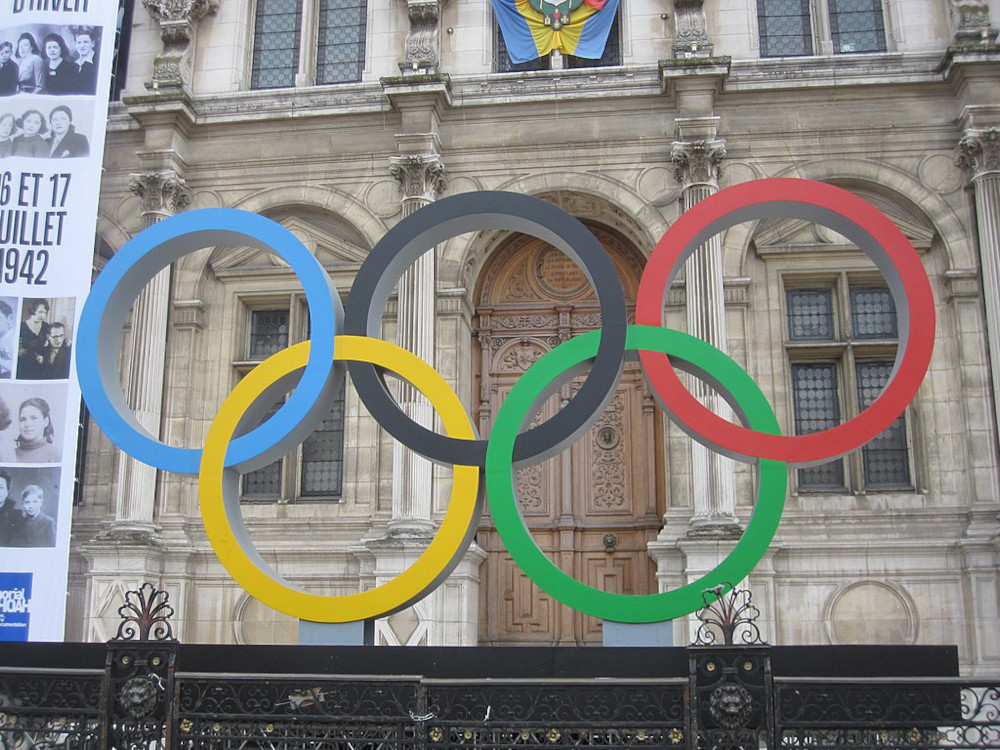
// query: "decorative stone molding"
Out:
[161,193]
[698,162]
[423,39]
[979,152]
[178,21]
[420,176]
[971,19]
[691,30]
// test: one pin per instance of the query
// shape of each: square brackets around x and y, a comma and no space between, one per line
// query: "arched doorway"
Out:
[594,508]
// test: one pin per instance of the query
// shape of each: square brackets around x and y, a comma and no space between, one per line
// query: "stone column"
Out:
[979,154]
[421,178]
[163,194]
[178,21]
[697,166]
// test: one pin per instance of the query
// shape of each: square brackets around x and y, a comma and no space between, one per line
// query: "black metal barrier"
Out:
[162,694]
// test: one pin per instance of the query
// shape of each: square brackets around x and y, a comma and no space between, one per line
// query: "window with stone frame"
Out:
[841,341]
[612,54]
[787,28]
[307,42]
[314,471]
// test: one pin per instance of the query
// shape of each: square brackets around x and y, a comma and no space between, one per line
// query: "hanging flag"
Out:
[533,28]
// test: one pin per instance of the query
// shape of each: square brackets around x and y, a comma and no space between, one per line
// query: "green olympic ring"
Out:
[536,384]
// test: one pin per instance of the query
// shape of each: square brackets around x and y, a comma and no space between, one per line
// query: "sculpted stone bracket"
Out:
[423,40]
[161,193]
[691,38]
[178,21]
[698,162]
[972,22]
[421,177]
[979,152]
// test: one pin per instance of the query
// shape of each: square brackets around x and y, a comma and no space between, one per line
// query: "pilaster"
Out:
[179,20]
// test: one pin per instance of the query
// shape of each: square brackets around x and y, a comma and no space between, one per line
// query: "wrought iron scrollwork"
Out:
[145,615]
[729,619]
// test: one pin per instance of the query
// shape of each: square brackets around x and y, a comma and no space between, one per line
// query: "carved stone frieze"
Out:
[691,38]
[979,151]
[178,21]
[162,193]
[698,162]
[971,19]
[421,176]
[423,39]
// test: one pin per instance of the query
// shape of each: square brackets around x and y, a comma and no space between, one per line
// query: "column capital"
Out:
[423,40]
[698,162]
[979,152]
[420,176]
[178,21]
[971,20]
[162,193]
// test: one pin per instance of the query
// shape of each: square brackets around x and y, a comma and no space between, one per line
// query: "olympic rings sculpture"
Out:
[314,370]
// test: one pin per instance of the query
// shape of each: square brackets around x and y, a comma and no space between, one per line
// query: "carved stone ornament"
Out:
[972,22]
[698,162]
[691,38]
[181,10]
[423,39]
[421,177]
[979,152]
[178,20]
[163,193]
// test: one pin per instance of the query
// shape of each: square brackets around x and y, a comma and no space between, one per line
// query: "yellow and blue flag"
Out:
[533,28]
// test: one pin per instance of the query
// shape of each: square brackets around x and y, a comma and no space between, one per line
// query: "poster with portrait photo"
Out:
[51,147]
[29,506]
[45,338]
[45,128]
[8,336]
[49,59]
[32,416]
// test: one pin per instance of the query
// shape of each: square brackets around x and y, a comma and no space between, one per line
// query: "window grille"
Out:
[785,28]
[885,457]
[810,314]
[340,53]
[814,389]
[857,26]
[277,38]
[873,314]
[323,455]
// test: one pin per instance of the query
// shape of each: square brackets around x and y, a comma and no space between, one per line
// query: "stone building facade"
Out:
[339,119]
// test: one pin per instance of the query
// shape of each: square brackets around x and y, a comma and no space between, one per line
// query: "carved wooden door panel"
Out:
[594,508]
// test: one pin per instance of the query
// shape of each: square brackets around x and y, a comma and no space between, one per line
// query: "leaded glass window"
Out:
[323,454]
[276,41]
[885,458]
[857,26]
[873,313]
[263,485]
[268,333]
[340,53]
[785,28]
[810,314]
[814,389]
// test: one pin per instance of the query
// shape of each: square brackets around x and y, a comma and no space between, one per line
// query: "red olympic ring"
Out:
[852,217]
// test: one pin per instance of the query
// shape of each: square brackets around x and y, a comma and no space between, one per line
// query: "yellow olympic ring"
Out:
[227,532]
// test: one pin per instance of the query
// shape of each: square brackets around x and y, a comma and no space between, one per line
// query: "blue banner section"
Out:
[516,32]
[15,606]
[594,36]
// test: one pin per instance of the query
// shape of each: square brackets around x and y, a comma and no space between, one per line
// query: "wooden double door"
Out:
[594,508]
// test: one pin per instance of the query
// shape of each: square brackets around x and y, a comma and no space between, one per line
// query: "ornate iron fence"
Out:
[134,694]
